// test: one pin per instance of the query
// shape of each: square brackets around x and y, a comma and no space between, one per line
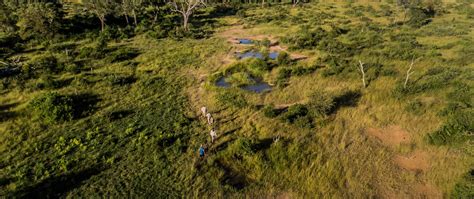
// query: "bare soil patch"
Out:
[416,161]
[390,136]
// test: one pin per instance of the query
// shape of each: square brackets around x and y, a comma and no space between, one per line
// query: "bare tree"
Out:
[295,2]
[362,71]
[186,9]
[409,72]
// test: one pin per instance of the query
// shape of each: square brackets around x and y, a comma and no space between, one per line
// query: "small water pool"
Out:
[259,86]
[222,83]
[254,54]
[245,41]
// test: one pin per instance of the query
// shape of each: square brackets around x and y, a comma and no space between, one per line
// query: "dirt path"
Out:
[390,136]
[417,161]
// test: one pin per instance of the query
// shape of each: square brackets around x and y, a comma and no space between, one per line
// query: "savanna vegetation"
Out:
[102,98]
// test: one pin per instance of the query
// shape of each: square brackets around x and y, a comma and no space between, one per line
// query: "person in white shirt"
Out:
[204,111]
[210,120]
[213,135]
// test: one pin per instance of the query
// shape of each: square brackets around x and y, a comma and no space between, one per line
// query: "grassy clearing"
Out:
[138,128]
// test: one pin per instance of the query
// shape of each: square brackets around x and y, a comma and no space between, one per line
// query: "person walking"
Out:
[204,111]
[202,151]
[213,135]
[210,120]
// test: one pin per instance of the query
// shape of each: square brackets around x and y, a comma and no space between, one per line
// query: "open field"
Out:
[135,127]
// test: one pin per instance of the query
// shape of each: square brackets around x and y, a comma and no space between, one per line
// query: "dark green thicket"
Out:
[419,16]
[459,112]
[52,108]
[232,98]
[465,187]
[299,115]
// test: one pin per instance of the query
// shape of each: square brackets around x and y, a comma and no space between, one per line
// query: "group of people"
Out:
[213,133]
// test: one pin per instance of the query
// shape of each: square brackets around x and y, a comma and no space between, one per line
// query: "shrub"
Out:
[305,38]
[457,130]
[256,66]
[270,111]
[283,58]
[465,187]
[419,17]
[232,98]
[52,108]
[294,112]
[320,103]
[44,63]
[240,79]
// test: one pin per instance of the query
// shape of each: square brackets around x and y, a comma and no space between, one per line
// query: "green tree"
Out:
[101,8]
[186,8]
[40,20]
[131,8]
[7,22]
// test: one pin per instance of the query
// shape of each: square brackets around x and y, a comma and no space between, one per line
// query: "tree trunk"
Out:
[102,22]
[185,22]
[126,19]
[134,17]
[155,18]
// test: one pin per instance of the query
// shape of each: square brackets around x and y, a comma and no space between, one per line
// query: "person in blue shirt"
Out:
[201,151]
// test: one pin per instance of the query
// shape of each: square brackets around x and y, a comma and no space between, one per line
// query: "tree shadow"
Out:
[347,99]
[56,187]
[116,115]
[223,145]
[262,144]
[5,107]
[233,178]
[5,113]
[84,104]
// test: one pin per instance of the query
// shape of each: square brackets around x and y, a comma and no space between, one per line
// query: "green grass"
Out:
[137,131]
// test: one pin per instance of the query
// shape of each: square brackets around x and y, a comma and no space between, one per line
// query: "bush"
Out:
[270,111]
[465,187]
[283,58]
[52,108]
[44,63]
[456,131]
[240,79]
[294,112]
[232,98]
[419,17]
[256,66]
[320,103]
[305,38]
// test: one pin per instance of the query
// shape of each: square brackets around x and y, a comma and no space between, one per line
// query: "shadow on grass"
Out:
[84,104]
[56,187]
[262,144]
[348,99]
[116,115]
[233,178]
[5,114]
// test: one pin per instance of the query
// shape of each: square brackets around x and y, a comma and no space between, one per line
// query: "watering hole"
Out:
[258,87]
[245,41]
[254,54]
